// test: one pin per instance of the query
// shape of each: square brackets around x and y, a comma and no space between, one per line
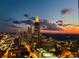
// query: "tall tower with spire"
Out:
[37,28]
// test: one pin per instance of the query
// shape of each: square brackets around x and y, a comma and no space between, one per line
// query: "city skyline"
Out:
[53,10]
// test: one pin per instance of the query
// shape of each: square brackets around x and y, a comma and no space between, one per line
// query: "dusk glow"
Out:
[39,29]
[12,12]
[67,30]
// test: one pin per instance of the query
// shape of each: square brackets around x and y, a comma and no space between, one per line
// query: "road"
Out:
[32,54]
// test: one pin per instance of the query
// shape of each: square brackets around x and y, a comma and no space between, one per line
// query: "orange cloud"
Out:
[71,29]
[67,30]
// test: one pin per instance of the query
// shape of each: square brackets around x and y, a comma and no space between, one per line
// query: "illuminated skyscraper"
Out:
[37,27]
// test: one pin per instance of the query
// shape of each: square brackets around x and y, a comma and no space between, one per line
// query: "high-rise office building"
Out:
[37,28]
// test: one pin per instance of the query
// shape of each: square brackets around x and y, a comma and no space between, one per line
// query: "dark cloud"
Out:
[52,27]
[23,21]
[64,11]
[30,18]
[26,15]
[16,22]
[43,21]
[59,22]
[27,21]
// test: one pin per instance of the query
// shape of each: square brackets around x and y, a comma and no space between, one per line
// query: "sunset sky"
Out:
[12,10]
[66,30]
